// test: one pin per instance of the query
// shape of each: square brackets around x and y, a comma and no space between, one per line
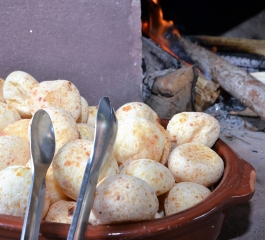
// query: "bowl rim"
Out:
[236,186]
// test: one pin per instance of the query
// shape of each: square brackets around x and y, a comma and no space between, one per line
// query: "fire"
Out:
[157,28]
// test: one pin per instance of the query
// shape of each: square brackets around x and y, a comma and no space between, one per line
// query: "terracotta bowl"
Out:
[203,221]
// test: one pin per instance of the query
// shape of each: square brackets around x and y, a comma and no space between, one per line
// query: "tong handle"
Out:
[83,206]
[31,227]
[106,131]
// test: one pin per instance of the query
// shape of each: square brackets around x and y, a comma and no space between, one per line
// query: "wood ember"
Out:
[171,86]
[232,79]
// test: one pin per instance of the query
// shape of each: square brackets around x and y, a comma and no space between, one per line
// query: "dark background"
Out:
[207,17]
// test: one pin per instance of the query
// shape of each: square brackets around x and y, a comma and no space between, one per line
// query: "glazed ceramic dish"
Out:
[203,221]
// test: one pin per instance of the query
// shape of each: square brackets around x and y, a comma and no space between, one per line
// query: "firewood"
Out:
[251,46]
[207,92]
[237,82]
[177,90]
[171,86]
[246,112]
[156,58]
[248,54]
[172,91]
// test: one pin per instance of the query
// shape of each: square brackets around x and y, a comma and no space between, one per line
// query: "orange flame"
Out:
[157,27]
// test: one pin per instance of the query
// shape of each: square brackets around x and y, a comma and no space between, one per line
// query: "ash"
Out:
[221,109]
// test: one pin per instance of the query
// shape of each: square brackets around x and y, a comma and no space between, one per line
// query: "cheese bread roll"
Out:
[56,193]
[92,115]
[138,138]
[137,109]
[17,128]
[15,184]
[69,166]
[109,169]
[184,195]
[56,93]
[193,127]
[64,125]
[83,117]
[8,115]
[86,131]
[14,150]
[167,146]
[195,162]
[61,212]
[154,173]
[17,90]
[123,198]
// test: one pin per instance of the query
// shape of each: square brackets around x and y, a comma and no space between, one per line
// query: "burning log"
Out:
[237,82]
[171,86]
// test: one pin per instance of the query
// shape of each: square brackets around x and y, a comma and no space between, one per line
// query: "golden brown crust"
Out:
[193,127]
[61,212]
[14,150]
[56,93]
[195,162]
[123,198]
[14,190]
[138,138]
[17,89]
[8,114]
[137,109]
[183,196]
[64,125]
[83,117]
[18,128]
[154,173]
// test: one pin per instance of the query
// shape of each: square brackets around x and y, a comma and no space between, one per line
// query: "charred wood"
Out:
[171,86]
[248,62]
[232,79]
[172,91]
[248,54]
[156,58]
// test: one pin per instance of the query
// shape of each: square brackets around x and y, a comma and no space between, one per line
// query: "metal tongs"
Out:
[42,145]
[106,131]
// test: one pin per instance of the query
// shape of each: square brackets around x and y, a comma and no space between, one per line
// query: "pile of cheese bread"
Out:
[153,172]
